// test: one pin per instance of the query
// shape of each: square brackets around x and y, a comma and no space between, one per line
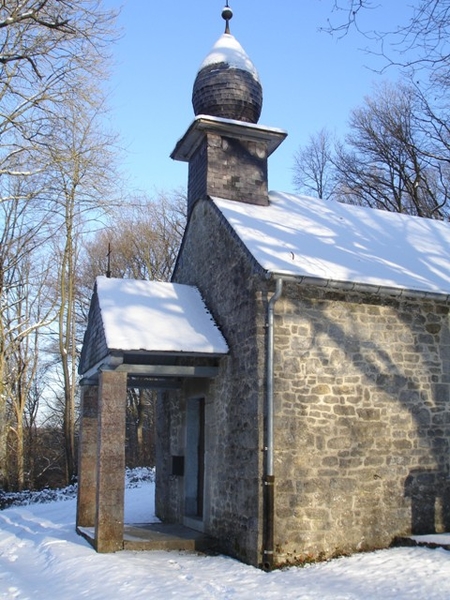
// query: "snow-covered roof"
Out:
[229,51]
[156,317]
[327,240]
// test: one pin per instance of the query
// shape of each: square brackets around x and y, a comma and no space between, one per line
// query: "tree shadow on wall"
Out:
[421,388]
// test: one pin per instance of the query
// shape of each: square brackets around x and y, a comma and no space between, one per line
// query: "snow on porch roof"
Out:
[156,317]
[327,240]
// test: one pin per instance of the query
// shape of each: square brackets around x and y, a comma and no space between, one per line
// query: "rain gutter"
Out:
[368,288]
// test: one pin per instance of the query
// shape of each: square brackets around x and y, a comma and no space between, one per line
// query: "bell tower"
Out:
[226,149]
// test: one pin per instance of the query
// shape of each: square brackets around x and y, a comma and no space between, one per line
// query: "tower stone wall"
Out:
[229,167]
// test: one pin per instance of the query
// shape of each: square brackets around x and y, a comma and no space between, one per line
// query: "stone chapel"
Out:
[301,353]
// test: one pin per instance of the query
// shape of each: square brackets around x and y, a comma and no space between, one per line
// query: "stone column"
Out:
[111,461]
[87,457]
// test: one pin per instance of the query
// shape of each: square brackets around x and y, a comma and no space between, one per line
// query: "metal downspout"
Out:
[269,478]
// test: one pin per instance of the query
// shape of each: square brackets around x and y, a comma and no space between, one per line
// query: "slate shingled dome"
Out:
[227,84]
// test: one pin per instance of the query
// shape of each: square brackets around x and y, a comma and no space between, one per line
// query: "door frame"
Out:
[195,458]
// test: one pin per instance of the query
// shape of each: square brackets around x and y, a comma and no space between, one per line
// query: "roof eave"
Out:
[188,144]
[156,365]
[368,288]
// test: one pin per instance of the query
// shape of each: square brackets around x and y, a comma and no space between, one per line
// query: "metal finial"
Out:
[227,14]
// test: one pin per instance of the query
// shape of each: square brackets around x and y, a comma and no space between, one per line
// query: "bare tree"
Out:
[419,46]
[313,166]
[140,427]
[80,178]
[384,164]
[23,362]
[345,15]
[420,42]
[45,45]
[25,310]
[143,236]
[395,157]
[50,53]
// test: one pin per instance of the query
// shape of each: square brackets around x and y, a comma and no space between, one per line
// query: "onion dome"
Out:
[227,84]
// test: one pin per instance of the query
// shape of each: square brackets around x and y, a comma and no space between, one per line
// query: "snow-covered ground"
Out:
[42,558]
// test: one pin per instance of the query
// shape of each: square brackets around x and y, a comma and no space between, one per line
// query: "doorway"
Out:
[195,458]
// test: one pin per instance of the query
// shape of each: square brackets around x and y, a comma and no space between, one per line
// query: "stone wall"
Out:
[169,443]
[216,262]
[362,423]
[362,411]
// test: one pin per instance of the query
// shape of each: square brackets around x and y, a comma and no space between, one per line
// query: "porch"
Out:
[158,536]
[140,334]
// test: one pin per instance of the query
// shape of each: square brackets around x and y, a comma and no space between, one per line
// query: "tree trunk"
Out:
[140,427]
[4,426]
[67,346]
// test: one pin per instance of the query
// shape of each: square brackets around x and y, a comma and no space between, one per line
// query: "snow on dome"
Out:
[229,51]
[156,316]
[227,84]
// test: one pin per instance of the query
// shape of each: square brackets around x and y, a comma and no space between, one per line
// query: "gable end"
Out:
[94,343]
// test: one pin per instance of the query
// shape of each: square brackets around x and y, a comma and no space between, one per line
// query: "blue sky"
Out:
[310,79]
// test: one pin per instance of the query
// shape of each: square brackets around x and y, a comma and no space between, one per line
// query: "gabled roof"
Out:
[156,316]
[129,315]
[329,241]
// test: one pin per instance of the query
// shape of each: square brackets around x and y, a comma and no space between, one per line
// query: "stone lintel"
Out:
[164,376]
[169,370]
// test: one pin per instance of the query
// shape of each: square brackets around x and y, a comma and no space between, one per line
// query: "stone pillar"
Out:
[111,461]
[87,457]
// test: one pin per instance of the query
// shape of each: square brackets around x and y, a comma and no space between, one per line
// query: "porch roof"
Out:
[140,326]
